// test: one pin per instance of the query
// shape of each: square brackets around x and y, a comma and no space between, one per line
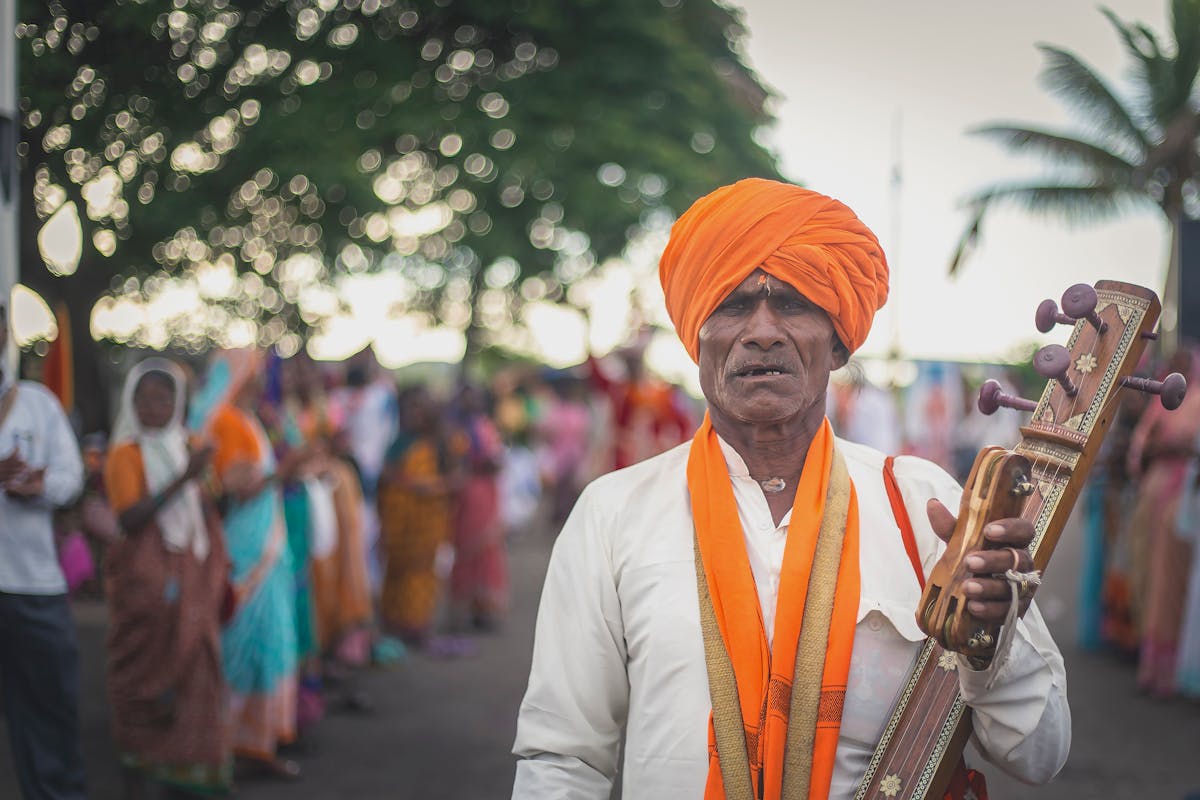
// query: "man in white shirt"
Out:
[40,470]
[740,609]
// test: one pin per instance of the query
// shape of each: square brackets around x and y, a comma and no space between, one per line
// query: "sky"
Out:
[865,85]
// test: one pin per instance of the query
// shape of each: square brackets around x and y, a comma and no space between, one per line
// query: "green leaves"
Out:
[376,135]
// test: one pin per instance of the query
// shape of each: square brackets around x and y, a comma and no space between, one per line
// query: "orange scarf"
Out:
[764,676]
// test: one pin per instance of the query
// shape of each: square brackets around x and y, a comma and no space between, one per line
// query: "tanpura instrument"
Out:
[1037,480]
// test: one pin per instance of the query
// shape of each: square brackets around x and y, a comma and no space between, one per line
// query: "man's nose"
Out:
[762,328]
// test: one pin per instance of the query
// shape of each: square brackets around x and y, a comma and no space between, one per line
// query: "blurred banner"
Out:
[58,370]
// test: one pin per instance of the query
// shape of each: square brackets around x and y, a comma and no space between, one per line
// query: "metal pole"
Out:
[895,201]
[9,119]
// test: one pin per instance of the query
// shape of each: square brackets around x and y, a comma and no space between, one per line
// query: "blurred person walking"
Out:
[865,413]
[293,415]
[92,510]
[479,590]
[259,643]
[1161,447]
[564,432]
[337,569]
[1105,600]
[419,477]
[166,576]
[40,470]
[341,590]
[647,414]
[367,407]
[1187,524]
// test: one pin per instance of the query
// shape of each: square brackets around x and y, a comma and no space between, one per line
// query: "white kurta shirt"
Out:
[618,644]
[38,430]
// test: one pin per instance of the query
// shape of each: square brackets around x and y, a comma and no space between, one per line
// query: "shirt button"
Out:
[764,526]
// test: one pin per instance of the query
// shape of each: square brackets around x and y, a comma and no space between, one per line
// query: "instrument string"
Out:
[897,761]
[920,703]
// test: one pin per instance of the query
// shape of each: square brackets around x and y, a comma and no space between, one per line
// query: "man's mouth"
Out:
[759,370]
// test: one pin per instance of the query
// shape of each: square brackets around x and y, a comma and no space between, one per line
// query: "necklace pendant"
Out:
[773,485]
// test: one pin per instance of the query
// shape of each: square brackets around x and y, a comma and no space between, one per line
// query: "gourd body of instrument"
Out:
[997,488]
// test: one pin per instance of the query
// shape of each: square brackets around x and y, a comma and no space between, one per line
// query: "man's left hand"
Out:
[988,590]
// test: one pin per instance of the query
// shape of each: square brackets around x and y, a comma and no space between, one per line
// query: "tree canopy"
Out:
[257,150]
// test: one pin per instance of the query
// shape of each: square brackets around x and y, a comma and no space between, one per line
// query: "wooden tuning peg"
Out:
[992,397]
[1079,302]
[1048,316]
[1051,362]
[1170,390]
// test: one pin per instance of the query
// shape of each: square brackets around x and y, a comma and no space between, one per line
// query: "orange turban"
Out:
[810,241]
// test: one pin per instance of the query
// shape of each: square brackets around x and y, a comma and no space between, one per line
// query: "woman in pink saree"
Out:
[479,577]
[1162,445]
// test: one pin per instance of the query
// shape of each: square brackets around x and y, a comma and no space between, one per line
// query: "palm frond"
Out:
[1164,81]
[1185,22]
[968,240]
[1140,41]
[1076,204]
[1094,158]
[1079,86]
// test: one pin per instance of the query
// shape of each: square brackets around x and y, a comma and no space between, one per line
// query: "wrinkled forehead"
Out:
[762,282]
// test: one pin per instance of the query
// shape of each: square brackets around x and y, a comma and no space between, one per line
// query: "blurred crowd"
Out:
[1140,581]
[261,529]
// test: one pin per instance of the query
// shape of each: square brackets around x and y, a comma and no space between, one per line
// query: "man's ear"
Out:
[841,355]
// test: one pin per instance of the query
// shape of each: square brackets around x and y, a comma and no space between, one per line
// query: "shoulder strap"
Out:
[902,520]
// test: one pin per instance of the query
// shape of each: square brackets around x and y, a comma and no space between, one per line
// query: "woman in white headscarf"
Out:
[166,580]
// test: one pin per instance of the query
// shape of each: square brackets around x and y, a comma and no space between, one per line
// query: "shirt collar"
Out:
[733,460]
[736,466]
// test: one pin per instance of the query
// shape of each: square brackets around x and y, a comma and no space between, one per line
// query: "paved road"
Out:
[442,729]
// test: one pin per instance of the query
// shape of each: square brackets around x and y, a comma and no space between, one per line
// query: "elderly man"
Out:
[40,469]
[706,551]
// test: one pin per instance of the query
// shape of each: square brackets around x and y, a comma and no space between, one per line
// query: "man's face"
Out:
[766,353]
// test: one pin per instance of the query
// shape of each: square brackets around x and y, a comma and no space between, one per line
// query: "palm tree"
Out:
[1132,152]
